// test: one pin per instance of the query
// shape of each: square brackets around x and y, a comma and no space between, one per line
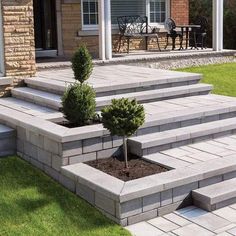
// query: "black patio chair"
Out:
[172,33]
[199,35]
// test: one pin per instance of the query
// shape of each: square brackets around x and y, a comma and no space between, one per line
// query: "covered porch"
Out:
[106,51]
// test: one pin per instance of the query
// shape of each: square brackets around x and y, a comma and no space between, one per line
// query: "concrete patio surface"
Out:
[189,221]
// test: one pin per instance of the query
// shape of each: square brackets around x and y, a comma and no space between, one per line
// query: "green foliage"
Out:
[35,205]
[123,117]
[82,64]
[204,8]
[79,104]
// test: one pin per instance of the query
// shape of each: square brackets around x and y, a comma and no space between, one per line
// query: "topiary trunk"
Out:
[125,152]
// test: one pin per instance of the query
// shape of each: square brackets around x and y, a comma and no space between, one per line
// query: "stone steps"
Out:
[31,109]
[158,94]
[54,101]
[159,141]
[157,82]
[215,196]
[7,141]
[5,81]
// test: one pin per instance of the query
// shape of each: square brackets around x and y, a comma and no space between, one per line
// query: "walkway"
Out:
[190,221]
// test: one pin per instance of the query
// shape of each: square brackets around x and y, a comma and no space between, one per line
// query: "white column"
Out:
[218,16]
[102,40]
[2,67]
[108,40]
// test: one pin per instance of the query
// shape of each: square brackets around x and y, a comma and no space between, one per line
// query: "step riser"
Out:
[213,207]
[184,123]
[168,145]
[119,91]
[42,102]
[148,100]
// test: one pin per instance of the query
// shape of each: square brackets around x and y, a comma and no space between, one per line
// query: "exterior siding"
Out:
[18,34]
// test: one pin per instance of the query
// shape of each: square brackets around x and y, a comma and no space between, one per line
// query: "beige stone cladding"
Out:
[18,34]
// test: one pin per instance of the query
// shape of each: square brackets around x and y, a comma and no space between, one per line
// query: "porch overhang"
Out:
[105,35]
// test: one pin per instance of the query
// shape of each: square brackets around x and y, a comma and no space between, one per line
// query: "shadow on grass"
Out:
[26,190]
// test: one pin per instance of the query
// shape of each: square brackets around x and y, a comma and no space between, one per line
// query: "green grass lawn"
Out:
[222,76]
[33,204]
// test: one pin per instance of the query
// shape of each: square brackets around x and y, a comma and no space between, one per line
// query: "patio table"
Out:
[187,27]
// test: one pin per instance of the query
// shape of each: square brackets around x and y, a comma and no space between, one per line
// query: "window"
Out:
[157,11]
[90,12]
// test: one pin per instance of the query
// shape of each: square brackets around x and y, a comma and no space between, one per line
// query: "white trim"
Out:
[2,64]
[159,25]
[102,42]
[218,19]
[108,37]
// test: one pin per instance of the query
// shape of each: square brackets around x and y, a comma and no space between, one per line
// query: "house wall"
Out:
[73,36]
[18,38]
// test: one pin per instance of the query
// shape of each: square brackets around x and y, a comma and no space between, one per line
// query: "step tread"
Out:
[4,81]
[30,108]
[48,80]
[156,93]
[180,134]
[55,99]
[216,193]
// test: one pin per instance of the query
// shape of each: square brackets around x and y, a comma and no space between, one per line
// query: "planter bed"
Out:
[138,167]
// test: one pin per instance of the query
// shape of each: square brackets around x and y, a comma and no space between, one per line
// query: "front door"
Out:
[45,28]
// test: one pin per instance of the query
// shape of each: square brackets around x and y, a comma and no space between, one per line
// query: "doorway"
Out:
[45,27]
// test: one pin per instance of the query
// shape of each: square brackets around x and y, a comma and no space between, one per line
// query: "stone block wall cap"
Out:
[94,179]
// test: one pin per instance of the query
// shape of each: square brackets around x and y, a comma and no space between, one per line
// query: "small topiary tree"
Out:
[123,117]
[78,104]
[78,101]
[82,64]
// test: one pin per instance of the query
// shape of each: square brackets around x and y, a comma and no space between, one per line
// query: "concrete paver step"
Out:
[159,141]
[158,94]
[7,141]
[115,80]
[215,196]
[54,101]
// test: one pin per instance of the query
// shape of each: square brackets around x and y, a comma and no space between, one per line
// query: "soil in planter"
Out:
[67,124]
[138,167]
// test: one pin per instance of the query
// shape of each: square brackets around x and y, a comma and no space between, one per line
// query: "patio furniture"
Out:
[172,33]
[188,29]
[135,27]
[199,34]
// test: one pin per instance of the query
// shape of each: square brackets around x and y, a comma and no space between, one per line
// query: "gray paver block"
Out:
[72,148]
[105,203]
[142,217]
[51,172]
[177,219]
[143,228]
[67,182]
[163,224]
[92,145]
[166,197]
[151,202]
[192,229]
[45,157]
[86,193]
[180,193]
[209,181]
[131,208]
[82,158]
[210,221]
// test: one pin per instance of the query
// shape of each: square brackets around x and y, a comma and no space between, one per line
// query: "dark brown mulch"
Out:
[138,168]
[67,124]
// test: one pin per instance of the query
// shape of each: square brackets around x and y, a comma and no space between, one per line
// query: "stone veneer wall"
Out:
[71,26]
[18,34]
